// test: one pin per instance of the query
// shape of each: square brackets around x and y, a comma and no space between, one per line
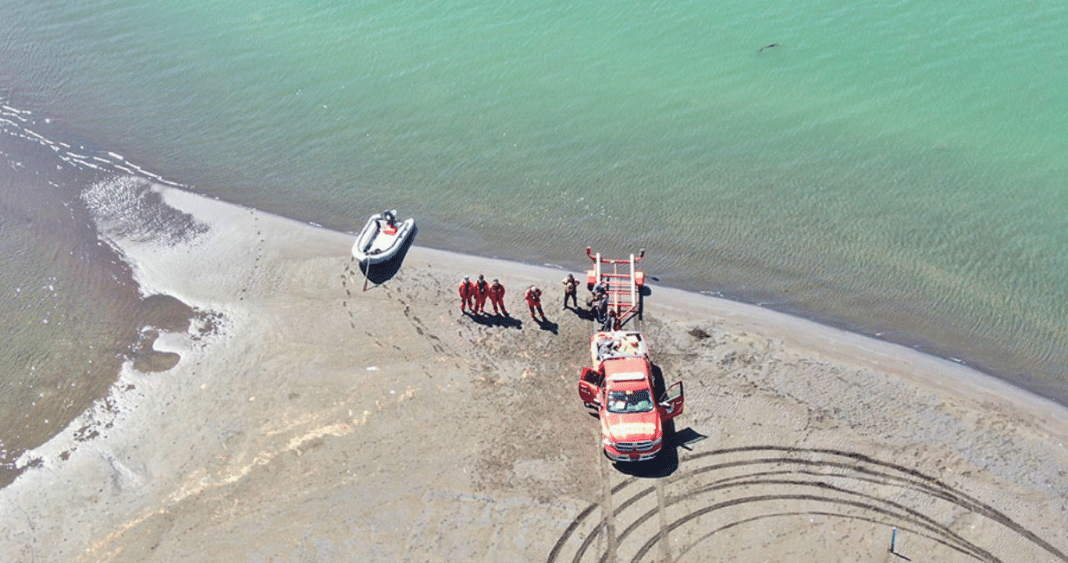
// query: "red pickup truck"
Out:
[624,391]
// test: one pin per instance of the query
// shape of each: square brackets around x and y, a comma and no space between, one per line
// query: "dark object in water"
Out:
[767,47]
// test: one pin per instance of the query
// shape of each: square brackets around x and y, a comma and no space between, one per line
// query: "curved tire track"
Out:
[747,485]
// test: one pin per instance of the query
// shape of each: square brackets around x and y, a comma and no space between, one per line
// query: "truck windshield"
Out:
[629,401]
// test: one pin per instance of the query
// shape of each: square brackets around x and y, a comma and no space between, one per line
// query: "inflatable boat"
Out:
[382,237]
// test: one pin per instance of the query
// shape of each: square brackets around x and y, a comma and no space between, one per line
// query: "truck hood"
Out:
[630,427]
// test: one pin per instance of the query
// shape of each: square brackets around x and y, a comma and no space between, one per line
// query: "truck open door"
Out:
[589,393]
[593,376]
[673,401]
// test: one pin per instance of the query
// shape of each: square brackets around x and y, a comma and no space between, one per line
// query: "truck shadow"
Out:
[667,461]
[663,465]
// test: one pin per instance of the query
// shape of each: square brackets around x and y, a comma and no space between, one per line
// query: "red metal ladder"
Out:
[622,280]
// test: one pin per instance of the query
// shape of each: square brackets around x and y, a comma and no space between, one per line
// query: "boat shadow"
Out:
[382,272]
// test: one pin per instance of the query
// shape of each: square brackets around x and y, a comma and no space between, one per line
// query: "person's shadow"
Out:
[546,324]
[584,314]
[505,321]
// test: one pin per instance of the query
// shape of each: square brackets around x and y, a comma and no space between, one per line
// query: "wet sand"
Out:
[308,420]
[69,308]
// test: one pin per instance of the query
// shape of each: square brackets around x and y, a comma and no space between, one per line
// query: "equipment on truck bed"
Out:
[623,385]
[631,401]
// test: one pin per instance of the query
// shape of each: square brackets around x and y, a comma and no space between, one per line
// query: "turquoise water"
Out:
[893,168]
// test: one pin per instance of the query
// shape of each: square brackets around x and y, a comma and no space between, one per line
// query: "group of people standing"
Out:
[473,296]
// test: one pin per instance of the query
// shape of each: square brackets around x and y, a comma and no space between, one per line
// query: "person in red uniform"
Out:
[496,296]
[481,292]
[533,297]
[466,290]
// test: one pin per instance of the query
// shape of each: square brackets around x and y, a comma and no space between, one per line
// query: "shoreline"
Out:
[70,307]
[1016,385]
[105,161]
[307,418]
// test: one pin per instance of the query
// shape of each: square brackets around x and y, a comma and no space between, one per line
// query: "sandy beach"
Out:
[308,420]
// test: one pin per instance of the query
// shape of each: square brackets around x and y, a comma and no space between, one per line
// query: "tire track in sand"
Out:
[778,486]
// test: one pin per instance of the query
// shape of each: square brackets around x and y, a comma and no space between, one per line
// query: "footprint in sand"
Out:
[256,260]
[348,293]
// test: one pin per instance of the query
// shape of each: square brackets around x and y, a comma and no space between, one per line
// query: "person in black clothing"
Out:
[611,321]
[601,307]
[571,290]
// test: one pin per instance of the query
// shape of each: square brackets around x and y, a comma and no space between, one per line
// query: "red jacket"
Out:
[533,297]
[496,292]
[466,289]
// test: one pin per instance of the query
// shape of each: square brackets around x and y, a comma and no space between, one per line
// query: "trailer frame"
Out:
[622,281]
